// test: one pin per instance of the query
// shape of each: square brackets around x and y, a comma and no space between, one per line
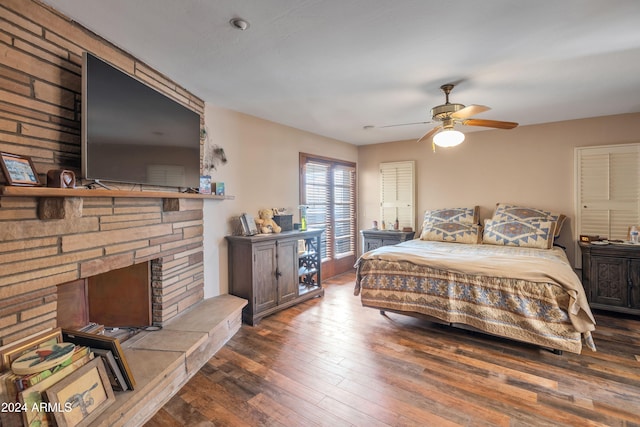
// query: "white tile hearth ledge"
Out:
[163,361]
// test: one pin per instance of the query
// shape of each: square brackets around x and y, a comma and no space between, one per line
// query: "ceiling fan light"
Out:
[448,138]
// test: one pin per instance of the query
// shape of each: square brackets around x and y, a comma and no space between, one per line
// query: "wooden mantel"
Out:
[61,203]
[16,191]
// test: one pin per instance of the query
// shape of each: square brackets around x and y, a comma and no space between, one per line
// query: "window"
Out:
[328,188]
[397,194]
[607,190]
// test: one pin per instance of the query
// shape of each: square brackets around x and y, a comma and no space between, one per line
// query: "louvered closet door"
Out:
[397,193]
[608,190]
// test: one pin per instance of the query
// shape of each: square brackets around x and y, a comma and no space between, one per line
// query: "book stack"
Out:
[93,328]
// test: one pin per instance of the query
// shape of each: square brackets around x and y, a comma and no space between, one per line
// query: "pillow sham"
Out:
[526,234]
[463,215]
[451,231]
[506,212]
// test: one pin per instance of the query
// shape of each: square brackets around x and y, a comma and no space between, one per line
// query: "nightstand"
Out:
[375,238]
[611,276]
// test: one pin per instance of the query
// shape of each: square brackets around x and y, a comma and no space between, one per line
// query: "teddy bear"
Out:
[265,222]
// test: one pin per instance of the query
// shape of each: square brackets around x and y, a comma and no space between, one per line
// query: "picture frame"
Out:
[249,227]
[42,359]
[116,379]
[219,188]
[12,352]
[82,396]
[34,412]
[18,170]
[205,184]
[106,343]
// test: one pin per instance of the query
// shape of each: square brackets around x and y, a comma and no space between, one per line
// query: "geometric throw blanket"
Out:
[520,293]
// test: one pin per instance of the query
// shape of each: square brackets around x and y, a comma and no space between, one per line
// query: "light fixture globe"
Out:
[448,138]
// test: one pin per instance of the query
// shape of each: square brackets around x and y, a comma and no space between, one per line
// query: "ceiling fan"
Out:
[444,135]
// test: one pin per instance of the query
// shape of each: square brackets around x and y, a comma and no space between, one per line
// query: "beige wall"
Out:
[262,172]
[530,165]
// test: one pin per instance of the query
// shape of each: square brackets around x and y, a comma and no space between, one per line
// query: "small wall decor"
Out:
[18,170]
[213,154]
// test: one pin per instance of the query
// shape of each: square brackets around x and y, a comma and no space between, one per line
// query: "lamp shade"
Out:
[448,138]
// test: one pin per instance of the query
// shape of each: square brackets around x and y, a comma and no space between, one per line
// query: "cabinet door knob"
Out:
[278,274]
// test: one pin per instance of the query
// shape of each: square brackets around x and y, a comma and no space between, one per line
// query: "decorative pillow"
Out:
[506,212]
[462,215]
[451,231]
[528,234]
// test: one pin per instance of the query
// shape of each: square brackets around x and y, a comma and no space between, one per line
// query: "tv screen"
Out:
[132,133]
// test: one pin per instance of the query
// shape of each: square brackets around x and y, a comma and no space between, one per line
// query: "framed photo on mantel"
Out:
[18,170]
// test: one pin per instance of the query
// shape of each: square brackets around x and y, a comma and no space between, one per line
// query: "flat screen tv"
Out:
[132,133]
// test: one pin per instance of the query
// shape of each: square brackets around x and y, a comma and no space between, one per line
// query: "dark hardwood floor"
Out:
[331,362]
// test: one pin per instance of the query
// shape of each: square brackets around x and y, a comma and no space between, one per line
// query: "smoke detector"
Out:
[239,24]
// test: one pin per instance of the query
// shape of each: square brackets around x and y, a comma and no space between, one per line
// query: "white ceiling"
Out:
[333,66]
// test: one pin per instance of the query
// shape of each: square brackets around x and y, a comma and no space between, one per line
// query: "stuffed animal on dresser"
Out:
[265,222]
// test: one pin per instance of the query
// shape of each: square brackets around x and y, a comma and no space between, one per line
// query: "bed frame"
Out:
[383,312]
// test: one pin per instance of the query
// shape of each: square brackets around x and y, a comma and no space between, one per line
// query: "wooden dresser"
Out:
[275,271]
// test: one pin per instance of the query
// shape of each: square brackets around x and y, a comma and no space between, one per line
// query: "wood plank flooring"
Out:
[331,362]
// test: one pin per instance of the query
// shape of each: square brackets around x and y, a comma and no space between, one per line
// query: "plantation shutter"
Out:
[318,200]
[344,185]
[608,191]
[397,193]
[329,192]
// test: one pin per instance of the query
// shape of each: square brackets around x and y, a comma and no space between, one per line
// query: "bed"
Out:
[479,278]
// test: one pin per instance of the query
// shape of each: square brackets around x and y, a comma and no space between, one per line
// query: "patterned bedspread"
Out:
[530,295]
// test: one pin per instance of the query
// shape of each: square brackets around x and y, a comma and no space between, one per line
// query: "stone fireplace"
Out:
[49,240]
[41,248]
[52,238]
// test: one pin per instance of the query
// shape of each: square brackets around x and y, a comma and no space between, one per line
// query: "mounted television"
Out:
[132,133]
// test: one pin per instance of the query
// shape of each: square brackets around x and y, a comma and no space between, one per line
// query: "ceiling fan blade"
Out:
[470,110]
[430,133]
[489,123]
[402,124]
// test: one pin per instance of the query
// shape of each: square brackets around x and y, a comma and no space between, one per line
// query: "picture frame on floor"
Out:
[81,396]
[94,341]
[113,370]
[12,352]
